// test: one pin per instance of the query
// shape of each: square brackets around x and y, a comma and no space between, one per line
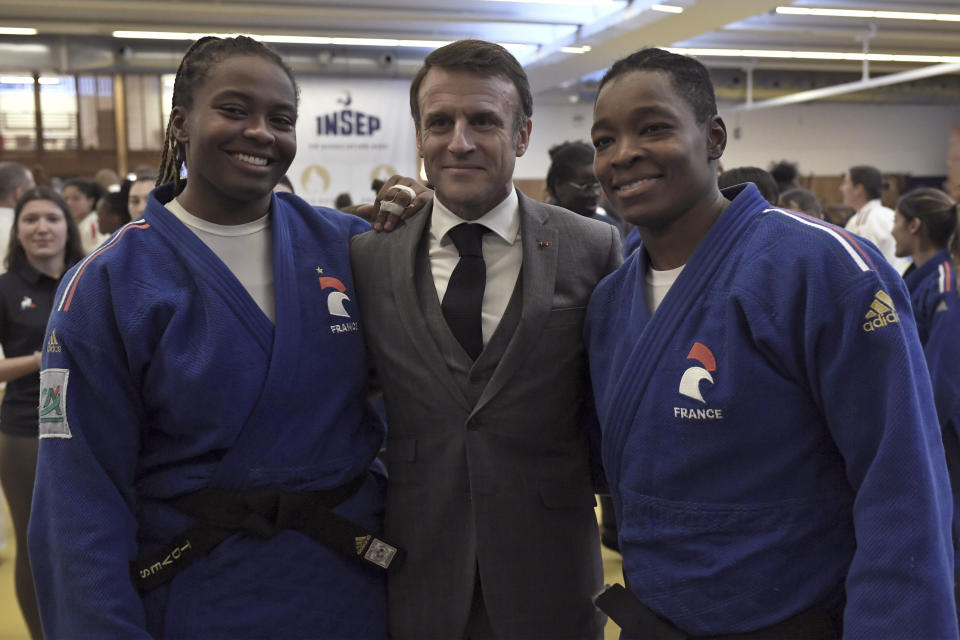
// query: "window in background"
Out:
[144,117]
[18,114]
[58,104]
[95,101]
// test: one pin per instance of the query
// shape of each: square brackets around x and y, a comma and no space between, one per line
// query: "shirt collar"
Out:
[503,219]
[26,271]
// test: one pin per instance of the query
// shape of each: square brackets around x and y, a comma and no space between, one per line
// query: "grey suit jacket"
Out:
[489,461]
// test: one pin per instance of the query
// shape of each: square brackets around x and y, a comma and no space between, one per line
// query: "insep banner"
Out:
[350,132]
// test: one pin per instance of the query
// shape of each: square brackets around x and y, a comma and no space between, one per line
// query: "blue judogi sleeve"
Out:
[89,443]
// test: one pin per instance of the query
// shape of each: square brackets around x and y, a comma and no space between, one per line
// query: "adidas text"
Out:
[879,322]
[53,345]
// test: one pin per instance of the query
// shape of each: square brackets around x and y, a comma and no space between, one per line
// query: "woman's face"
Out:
[42,230]
[80,205]
[902,234]
[580,193]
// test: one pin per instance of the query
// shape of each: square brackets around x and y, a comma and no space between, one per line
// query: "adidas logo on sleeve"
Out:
[881,312]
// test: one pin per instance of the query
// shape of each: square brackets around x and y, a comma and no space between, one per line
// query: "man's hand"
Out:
[398,199]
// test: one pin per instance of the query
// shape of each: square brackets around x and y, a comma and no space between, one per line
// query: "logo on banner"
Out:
[315,178]
[348,122]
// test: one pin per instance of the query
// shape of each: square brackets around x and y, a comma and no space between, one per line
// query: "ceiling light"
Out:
[576,3]
[17,31]
[666,8]
[585,48]
[514,47]
[16,79]
[815,55]
[860,13]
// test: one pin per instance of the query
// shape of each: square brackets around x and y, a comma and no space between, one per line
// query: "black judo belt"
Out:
[262,512]
[638,621]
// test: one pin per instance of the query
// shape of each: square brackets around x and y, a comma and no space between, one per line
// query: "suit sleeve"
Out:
[866,366]
[591,423]
[83,528]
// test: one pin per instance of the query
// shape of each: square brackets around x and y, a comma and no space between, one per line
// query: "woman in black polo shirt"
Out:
[44,243]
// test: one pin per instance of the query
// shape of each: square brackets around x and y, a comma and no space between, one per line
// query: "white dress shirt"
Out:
[875,223]
[502,254]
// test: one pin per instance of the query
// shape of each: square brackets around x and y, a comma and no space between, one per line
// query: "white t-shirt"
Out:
[875,223]
[245,249]
[657,284]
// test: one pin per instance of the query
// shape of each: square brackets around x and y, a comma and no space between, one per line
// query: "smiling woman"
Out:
[181,402]
[43,244]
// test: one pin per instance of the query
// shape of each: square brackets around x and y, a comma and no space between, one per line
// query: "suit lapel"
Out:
[539,271]
[403,265]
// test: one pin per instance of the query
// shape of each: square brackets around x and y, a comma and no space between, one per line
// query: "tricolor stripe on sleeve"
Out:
[946,276]
[849,244]
[64,304]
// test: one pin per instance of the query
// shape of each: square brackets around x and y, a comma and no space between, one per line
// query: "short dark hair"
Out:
[202,56]
[935,209]
[87,187]
[870,178]
[342,200]
[764,181]
[483,58]
[565,159]
[16,256]
[784,172]
[13,176]
[802,199]
[690,78]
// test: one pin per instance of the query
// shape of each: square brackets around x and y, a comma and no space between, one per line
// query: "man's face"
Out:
[468,139]
[852,193]
[654,160]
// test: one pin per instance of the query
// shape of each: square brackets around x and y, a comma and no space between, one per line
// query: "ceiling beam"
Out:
[849,87]
[622,38]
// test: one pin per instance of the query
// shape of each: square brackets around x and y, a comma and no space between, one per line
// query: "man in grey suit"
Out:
[473,311]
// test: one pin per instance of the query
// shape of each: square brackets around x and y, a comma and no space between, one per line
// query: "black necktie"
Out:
[463,300]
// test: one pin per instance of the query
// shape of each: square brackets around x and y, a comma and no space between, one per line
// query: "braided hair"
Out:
[200,58]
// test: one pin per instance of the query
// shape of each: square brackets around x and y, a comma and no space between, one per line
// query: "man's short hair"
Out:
[690,78]
[13,176]
[870,178]
[482,58]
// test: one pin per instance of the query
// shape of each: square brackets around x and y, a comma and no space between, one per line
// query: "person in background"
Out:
[764,182]
[108,180]
[861,189]
[138,192]
[343,201]
[769,431]
[82,195]
[207,459]
[112,213]
[802,200]
[785,175]
[572,185]
[44,243]
[284,185]
[15,180]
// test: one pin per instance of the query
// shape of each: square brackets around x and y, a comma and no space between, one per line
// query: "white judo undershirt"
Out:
[657,284]
[244,248]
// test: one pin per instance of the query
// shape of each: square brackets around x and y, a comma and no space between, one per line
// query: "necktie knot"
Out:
[468,239]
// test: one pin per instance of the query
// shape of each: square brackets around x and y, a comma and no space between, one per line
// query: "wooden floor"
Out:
[13,628]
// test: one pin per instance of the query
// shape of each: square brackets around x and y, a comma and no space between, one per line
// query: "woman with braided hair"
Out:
[207,457]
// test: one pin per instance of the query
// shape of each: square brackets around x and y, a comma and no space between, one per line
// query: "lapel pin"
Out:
[544,244]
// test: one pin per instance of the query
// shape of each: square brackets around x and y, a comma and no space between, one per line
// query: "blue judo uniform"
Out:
[936,294]
[161,376]
[928,284]
[769,434]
